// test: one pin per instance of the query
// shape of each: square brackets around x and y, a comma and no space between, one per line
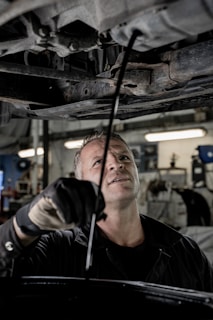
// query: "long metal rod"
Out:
[42,72]
[114,109]
[36,125]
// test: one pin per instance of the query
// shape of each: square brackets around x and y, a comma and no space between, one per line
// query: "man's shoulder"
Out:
[160,232]
[147,220]
[165,235]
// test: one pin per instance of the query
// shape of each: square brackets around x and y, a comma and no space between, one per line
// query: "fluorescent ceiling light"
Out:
[73,144]
[28,153]
[175,135]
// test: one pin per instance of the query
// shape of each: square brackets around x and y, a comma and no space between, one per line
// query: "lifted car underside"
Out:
[61,59]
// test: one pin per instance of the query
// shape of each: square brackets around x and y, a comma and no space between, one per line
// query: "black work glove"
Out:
[64,204]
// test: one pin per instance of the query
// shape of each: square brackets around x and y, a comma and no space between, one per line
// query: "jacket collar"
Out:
[157,233]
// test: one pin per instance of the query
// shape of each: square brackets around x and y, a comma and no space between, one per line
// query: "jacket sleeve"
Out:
[10,248]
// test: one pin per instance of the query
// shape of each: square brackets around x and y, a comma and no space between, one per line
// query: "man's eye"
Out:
[124,157]
[97,162]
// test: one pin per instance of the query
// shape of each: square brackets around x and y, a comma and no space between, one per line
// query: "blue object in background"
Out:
[206,153]
[1,180]
[12,167]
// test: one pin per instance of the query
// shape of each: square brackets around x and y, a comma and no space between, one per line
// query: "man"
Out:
[126,244]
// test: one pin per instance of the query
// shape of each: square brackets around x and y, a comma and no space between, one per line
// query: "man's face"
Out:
[120,179]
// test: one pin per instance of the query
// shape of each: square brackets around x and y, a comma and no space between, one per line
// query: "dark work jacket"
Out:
[169,257]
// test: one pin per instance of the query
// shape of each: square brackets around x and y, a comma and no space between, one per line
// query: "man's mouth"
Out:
[118,180]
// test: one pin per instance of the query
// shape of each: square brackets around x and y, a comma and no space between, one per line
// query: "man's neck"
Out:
[123,228]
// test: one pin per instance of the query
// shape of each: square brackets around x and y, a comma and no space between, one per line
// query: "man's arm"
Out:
[24,238]
[10,247]
[64,204]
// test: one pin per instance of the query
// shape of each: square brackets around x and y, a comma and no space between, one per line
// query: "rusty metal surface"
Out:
[61,60]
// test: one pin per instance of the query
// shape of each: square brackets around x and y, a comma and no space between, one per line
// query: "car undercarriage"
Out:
[61,59]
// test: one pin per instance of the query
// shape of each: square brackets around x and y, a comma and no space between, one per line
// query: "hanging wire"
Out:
[114,109]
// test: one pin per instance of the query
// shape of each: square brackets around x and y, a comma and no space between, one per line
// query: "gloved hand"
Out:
[64,204]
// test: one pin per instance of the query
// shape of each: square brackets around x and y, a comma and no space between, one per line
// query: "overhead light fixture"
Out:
[73,144]
[28,153]
[175,135]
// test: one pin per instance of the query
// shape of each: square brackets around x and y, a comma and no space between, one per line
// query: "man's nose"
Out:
[114,163]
